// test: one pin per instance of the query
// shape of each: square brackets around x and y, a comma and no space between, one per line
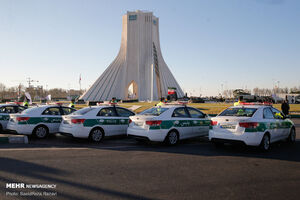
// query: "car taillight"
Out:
[248,124]
[130,121]
[23,119]
[77,121]
[154,123]
[213,123]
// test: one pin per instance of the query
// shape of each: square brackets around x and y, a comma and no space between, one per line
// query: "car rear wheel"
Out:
[265,143]
[292,136]
[172,138]
[41,132]
[96,135]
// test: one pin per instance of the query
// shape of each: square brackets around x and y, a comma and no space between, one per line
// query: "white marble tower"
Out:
[139,70]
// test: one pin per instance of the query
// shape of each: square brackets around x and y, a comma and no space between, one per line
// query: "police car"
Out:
[38,121]
[254,125]
[96,122]
[5,111]
[169,123]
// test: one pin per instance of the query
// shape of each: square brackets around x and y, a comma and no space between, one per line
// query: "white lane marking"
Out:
[41,149]
[63,148]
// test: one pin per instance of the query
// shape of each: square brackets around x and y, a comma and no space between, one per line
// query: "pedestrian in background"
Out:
[285,107]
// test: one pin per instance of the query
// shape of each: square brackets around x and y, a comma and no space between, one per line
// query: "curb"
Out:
[13,139]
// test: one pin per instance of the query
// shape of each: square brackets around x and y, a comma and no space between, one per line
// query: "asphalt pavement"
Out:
[121,168]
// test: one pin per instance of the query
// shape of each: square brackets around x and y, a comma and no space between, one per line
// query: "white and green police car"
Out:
[38,121]
[169,123]
[253,125]
[96,122]
[5,111]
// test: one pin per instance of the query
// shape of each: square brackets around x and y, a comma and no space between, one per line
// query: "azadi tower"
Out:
[139,70]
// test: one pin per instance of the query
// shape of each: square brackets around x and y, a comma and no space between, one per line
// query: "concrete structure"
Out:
[139,70]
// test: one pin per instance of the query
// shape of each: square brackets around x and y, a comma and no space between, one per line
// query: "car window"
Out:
[124,112]
[107,112]
[195,113]
[154,111]
[68,111]
[7,109]
[21,109]
[238,112]
[180,112]
[277,114]
[268,114]
[52,111]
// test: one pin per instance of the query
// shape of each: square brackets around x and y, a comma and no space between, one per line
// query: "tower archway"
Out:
[131,91]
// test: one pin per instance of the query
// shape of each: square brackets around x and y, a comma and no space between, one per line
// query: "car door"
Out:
[270,122]
[123,115]
[282,131]
[52,117]
[5,111]
[108,120]
[200,123]
[182,122]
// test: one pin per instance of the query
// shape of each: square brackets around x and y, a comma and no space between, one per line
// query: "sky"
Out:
[209,45]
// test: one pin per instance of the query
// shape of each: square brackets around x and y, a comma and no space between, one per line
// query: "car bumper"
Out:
[226,136]
[158,135]
[24,129]
[74,130]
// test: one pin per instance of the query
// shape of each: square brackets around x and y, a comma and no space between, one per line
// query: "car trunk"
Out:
[229,122]
[140,120]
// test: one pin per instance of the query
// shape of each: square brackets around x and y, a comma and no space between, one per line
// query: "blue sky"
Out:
[206,44]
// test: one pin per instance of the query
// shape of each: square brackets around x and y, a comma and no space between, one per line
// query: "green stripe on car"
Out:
[36,120]
[263,126]
[101,121]
[167,124]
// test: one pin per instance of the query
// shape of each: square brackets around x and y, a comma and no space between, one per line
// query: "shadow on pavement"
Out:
[25,170]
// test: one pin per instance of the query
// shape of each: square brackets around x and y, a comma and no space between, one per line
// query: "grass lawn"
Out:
[208,108]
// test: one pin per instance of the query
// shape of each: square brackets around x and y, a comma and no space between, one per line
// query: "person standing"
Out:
[239,102]
[285,107]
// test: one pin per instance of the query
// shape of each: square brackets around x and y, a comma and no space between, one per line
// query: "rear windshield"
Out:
[239,112]
[154,111]
[83,111]
[29,110]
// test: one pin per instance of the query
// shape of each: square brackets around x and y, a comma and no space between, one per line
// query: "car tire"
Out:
[41,132]
[172,138]
[292,136]
[265,143]
[96,135]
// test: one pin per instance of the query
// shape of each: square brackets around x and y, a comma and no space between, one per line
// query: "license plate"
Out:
[66,122]
[227,126]
[139,123]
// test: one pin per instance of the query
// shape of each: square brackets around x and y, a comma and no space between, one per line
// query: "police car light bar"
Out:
[107,103]
[256,104]
[18,103]
[178,103]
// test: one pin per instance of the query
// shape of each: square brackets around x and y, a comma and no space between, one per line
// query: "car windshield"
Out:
[239,112]
[154,111]
[82,111]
